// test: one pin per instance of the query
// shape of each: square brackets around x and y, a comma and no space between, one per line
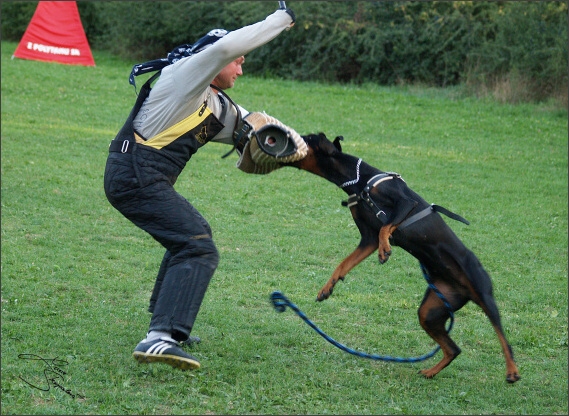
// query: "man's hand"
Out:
[291,14]
[282,6]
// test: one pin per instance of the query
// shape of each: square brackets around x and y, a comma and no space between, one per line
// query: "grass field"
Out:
[76,275]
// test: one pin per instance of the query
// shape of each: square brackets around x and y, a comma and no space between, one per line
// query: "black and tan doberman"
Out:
[386,211]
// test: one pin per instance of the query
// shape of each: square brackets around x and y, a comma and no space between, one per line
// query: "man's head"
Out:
[227,76]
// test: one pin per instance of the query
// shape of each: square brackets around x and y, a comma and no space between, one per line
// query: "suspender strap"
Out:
[240,138]
[122,142]
[121,146]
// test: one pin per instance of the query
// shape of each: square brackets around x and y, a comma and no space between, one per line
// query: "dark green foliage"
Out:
[497,46]
[15,18]
[149,30]
[528,46]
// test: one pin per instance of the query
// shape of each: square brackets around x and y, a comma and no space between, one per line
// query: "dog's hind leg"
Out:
[357,256]
[488,304]
[433,315]
[481,293]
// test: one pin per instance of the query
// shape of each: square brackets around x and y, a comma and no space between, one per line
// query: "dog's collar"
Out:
[354,181]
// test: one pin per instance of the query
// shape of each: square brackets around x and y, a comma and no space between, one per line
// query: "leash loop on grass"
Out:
[280,302]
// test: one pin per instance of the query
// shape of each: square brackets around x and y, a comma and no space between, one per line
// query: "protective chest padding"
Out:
[179,142]
[183,139]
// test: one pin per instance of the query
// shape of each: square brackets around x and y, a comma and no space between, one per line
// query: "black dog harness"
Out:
[365,196]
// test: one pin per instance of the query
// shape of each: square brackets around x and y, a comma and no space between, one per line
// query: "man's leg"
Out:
[159,210]
[159,280]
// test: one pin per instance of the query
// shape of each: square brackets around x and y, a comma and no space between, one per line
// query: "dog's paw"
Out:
[383,256]
[512,378]
[428,373]
[328,288]
[324,294]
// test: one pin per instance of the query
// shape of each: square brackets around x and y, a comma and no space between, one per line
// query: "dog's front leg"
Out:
[384,250]
[342,270]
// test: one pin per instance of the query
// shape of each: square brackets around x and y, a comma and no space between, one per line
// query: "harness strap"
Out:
[450,214]
[239,129]
[354,199]
[371,183]
[429,210]
[414,218]
[381,177]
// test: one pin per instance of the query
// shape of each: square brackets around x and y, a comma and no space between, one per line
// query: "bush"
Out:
[15,18]
[476,43]
[517,65]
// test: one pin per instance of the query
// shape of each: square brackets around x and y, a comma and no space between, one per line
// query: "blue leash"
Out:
[280,302]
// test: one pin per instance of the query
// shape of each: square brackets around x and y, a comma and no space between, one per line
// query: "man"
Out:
[168,124]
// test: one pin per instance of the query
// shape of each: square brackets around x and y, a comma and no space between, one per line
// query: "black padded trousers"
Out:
[140,186]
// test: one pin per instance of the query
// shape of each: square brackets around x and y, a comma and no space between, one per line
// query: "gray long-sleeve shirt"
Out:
[184,86]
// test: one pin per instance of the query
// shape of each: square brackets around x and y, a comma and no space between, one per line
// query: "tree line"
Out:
[514,46]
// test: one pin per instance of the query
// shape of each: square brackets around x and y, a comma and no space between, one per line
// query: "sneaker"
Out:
[164,350]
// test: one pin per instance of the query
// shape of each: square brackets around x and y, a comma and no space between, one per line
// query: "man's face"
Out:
[226,78]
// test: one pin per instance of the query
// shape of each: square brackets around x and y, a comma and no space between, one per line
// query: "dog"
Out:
[386,211]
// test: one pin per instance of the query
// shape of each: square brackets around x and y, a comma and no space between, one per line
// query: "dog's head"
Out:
[319,143]
[321,153]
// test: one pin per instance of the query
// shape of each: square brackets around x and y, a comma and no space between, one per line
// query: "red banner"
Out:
[56,34]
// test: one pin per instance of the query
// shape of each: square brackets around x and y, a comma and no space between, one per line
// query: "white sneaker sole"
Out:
[172,360]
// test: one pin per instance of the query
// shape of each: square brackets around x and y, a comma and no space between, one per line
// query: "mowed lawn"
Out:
[77,276]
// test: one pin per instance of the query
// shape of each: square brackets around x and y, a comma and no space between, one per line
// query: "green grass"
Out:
[76,275]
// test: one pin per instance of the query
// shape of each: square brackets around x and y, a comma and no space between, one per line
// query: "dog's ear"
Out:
[325,145]
[337,141]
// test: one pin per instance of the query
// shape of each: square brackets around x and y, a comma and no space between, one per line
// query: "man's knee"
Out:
[213,257]
[202,249]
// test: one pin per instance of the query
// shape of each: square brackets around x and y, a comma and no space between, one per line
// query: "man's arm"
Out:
[192,75]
